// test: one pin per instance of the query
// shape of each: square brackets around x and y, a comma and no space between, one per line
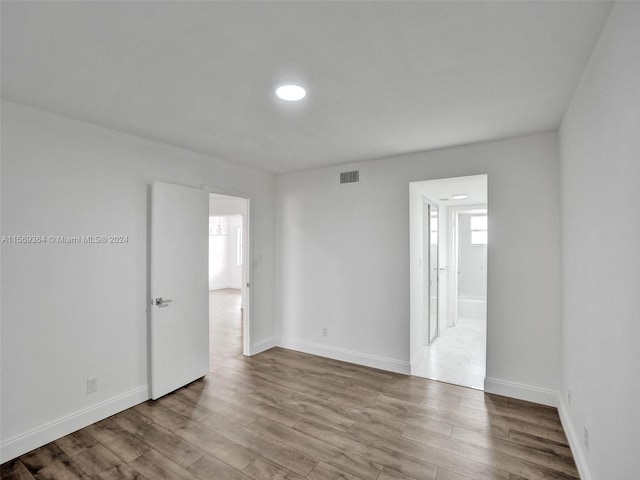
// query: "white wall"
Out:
[74,311]
[472,263]
[224,272]
[600,171]
[235,270]
[226,205]
[218,253]
[343,259]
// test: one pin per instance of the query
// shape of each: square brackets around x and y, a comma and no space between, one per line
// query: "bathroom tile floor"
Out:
[458,355]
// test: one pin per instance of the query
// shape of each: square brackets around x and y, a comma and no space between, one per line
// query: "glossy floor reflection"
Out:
[458,355]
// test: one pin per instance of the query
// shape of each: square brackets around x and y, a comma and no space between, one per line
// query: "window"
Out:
[479,230]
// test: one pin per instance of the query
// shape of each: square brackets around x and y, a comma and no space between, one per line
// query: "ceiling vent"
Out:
[350,177]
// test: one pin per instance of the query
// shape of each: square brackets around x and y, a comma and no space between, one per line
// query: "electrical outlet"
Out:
[586,437]
[569,397]
[325,332]
[92,384]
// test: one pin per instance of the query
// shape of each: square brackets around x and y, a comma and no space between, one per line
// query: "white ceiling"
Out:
[383,78]
[474,186]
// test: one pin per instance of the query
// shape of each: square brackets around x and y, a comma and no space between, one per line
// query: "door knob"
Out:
[161,302]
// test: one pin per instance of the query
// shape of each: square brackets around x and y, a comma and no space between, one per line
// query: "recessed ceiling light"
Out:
[291,93]
[459,196]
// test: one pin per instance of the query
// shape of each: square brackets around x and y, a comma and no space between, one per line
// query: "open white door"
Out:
[179,287]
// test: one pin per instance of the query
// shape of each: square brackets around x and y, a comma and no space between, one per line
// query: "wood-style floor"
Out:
[287,415]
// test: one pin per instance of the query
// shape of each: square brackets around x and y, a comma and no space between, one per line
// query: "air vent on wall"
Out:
[350,177]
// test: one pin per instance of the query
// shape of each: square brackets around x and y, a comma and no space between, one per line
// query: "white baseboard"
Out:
[522,392]
[574,442]
[224,286]
[262,345]
[351,356]
[49,432]
[416,361]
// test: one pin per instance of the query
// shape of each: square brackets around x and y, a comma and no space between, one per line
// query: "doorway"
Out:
[448,284]
[228,279]
[430,264]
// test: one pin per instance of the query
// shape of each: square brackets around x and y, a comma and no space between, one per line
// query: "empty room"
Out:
[361,240]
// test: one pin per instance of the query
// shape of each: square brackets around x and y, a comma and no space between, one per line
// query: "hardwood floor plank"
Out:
[428,398]
[335,411]
[207,404]
[260,469]
[254,407]
[324,471]
[482,456]
[122,472]
[396,452]
[525,414]
[448,475]
[343,459]
[155,466]
[335,385]
[351,400]
[540,444]
[284,414]
[119,441]
[299,407]
[433,415]
[41,457]
[159,438]
[76,442]
[282,378]
[252,378]
[193,433]
[539,409]
[175,401]
[272,450]
[61,469]
[50,462]
[388,474]
[490,424]
[99,462]
[554,462]
[209,467]
[487,399]
[15,470]
[374,426]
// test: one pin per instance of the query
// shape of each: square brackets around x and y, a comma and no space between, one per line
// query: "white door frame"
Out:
[427,260]
[247,256]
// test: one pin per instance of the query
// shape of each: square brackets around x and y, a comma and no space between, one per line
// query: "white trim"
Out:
[351,356]
[522,392]
[51,431]
[224,286]
[574,442]
[263,345]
